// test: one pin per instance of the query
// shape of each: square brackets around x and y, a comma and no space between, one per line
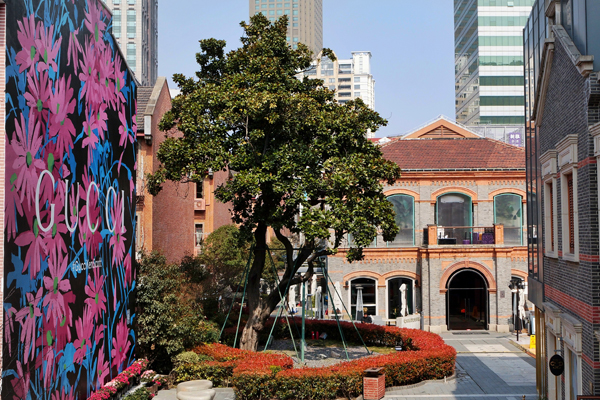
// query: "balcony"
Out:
[466,235]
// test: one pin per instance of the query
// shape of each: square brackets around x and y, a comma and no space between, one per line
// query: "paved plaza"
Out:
[488,366]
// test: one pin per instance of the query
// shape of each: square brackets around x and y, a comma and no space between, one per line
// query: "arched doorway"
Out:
[467,301]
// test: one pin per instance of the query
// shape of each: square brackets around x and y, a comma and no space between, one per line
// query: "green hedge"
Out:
[271,376]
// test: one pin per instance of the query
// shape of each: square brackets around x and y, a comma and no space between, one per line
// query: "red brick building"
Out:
[176,220]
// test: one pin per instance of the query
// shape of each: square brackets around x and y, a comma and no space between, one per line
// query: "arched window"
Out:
[368,288]
[404,209]
[395,298]
[508,212]
[454,210]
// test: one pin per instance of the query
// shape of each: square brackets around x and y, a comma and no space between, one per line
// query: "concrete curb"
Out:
[522,348]
[414,385]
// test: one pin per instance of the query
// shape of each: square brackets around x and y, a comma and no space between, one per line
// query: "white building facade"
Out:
[350,78]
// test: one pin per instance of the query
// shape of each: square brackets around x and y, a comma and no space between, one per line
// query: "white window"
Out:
[363,291]
[396,301]
[548,162]
[567,162]
[199,235]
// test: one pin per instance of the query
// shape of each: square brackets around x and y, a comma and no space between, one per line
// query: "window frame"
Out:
[387,295]
[567,164]
[389,244]
[198,244]
[376,284]
[521,217]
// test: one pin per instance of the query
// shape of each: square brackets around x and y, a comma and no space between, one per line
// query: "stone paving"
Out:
[488,366]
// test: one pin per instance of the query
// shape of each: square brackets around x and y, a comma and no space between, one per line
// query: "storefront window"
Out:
[395,297]
[369,297]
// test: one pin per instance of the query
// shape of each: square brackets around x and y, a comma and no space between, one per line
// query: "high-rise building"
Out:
[135,25]
[351,78]
[488,42]
[305,19]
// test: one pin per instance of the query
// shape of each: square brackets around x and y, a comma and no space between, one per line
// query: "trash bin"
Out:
[374,384]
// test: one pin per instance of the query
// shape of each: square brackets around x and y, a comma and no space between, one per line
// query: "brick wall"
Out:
[173,207]
[571,105]
[428,266]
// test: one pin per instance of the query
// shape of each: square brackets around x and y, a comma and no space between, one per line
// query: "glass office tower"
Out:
[488,40]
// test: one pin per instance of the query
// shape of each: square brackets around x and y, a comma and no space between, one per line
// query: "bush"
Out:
[267,375]
[170,319]
[189,357]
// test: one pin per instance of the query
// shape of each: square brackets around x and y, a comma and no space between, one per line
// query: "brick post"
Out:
[374,384]
[432,234]
[498,234]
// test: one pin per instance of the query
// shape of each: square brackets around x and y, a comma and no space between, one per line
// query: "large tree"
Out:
[299,162]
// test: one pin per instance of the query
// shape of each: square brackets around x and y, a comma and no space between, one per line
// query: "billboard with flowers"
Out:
[69,273]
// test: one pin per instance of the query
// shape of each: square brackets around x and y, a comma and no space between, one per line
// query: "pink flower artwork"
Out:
[26,145]
[117,241]
[102,368]
[9,327]
[14,206]
[47,48]
[36,251]
[62,105]
[93,21]
[95,290]
[38,95]
[56,286]
[120,344]
[26,34]
[85,328]
[21,383]
[27,317]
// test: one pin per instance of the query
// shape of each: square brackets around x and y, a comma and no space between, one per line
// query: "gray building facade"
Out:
[562,60]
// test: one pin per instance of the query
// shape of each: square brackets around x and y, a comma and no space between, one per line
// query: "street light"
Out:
[515,285]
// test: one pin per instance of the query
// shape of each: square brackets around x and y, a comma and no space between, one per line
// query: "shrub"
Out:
[170,319]
[267,375]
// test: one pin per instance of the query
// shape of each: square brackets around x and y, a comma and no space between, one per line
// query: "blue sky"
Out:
[412,46]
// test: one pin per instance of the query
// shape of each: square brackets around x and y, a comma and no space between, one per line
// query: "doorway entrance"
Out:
[467,301]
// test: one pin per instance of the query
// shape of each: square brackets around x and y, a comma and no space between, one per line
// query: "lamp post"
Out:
[515,285]
[302,340]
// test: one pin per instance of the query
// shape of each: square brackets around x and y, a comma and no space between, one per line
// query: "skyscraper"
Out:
[351,78]
[135,25]
[305,19]
[488,41]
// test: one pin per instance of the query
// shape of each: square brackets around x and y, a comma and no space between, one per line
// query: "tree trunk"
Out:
[257,308]
[260,309]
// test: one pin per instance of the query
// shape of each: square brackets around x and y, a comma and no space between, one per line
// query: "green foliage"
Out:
[224,255]
[188,357]
[299,162]
[290,143]
[219,374]
[140,394]
[170,320]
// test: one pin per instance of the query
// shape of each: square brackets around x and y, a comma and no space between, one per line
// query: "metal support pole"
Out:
[302,339]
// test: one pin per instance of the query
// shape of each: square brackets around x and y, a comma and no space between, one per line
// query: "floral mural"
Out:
[69,273]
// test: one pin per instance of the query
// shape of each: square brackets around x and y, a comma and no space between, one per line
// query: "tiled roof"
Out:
[456,153]
[143,96]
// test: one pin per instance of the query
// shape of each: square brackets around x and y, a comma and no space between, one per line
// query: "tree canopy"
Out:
[299,162]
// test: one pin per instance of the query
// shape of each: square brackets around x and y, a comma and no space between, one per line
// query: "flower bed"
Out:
[121,381]
[267,375]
